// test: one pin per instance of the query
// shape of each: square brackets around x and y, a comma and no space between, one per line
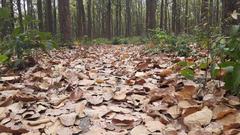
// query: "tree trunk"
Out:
[49,17]
[54,18]
[128,18]
[166,16]
[204,15]
[65,20]
[89,5]
[118,18]
[161,14]
[178,18]
[186,16]
[80,19]
[174,8]
[40,15]
[108,20]
[150,14]
[19,8]
[211,11]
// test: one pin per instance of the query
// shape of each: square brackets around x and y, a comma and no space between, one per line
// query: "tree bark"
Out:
[65,20]
[40,15]
[161,15]
[49,17]
[108,20]
[186,16]
[128,18]
[89,5]
[150,14]
[54,18]
[166,16]
[80,19]
[19,8]
[174,8]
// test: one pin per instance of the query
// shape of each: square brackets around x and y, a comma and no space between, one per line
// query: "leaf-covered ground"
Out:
[113,90]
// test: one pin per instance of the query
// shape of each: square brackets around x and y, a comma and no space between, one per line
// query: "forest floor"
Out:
[112,90]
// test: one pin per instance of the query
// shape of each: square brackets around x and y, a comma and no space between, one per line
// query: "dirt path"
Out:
[109,90]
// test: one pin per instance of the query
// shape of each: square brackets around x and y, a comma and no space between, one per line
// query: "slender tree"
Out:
[150,14]
[89,5]
[54,17]
[186,16]
[20,18]
[49,16]
[128,18]
[80,19]
[40,14]
[174,12]
[108,20]
[166,15]
[161,14]
[65,20]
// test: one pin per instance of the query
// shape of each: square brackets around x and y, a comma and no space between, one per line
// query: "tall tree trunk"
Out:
[204,15]
[211,13]
[161,14]
[186,16]
[217,12]
[30,11]
[118,18]
[166,15]
[19,8]
[80,19]
[108,20]
[128,18]
[89,5]
[54,18]
[48,16]
[65,20]
[40,15]
[12,15]
[174,12]
[178,18]
[150,14]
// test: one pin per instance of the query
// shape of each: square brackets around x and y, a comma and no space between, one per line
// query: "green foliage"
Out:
[160,37]
[21,44]
[168,43]
[226,50]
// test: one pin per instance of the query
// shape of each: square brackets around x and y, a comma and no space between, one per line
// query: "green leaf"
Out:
[3,58]
[188,73]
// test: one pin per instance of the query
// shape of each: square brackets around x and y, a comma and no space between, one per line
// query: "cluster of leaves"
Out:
[226,60]
[19,44]
[115,41]
[169,43]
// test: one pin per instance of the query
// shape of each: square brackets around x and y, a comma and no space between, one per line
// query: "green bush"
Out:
[19,45]
[226,60]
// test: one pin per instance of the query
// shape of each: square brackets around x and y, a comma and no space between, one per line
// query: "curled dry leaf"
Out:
[120,95]
[165,72]
[38,122]
[199,118]
[123,120]
[13,131]
[187,92]
[9,78]
[76,95]
[154,126]
[68,119]
[94,100]
[221,111]
[174,111]
[139,130]
[79,109]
